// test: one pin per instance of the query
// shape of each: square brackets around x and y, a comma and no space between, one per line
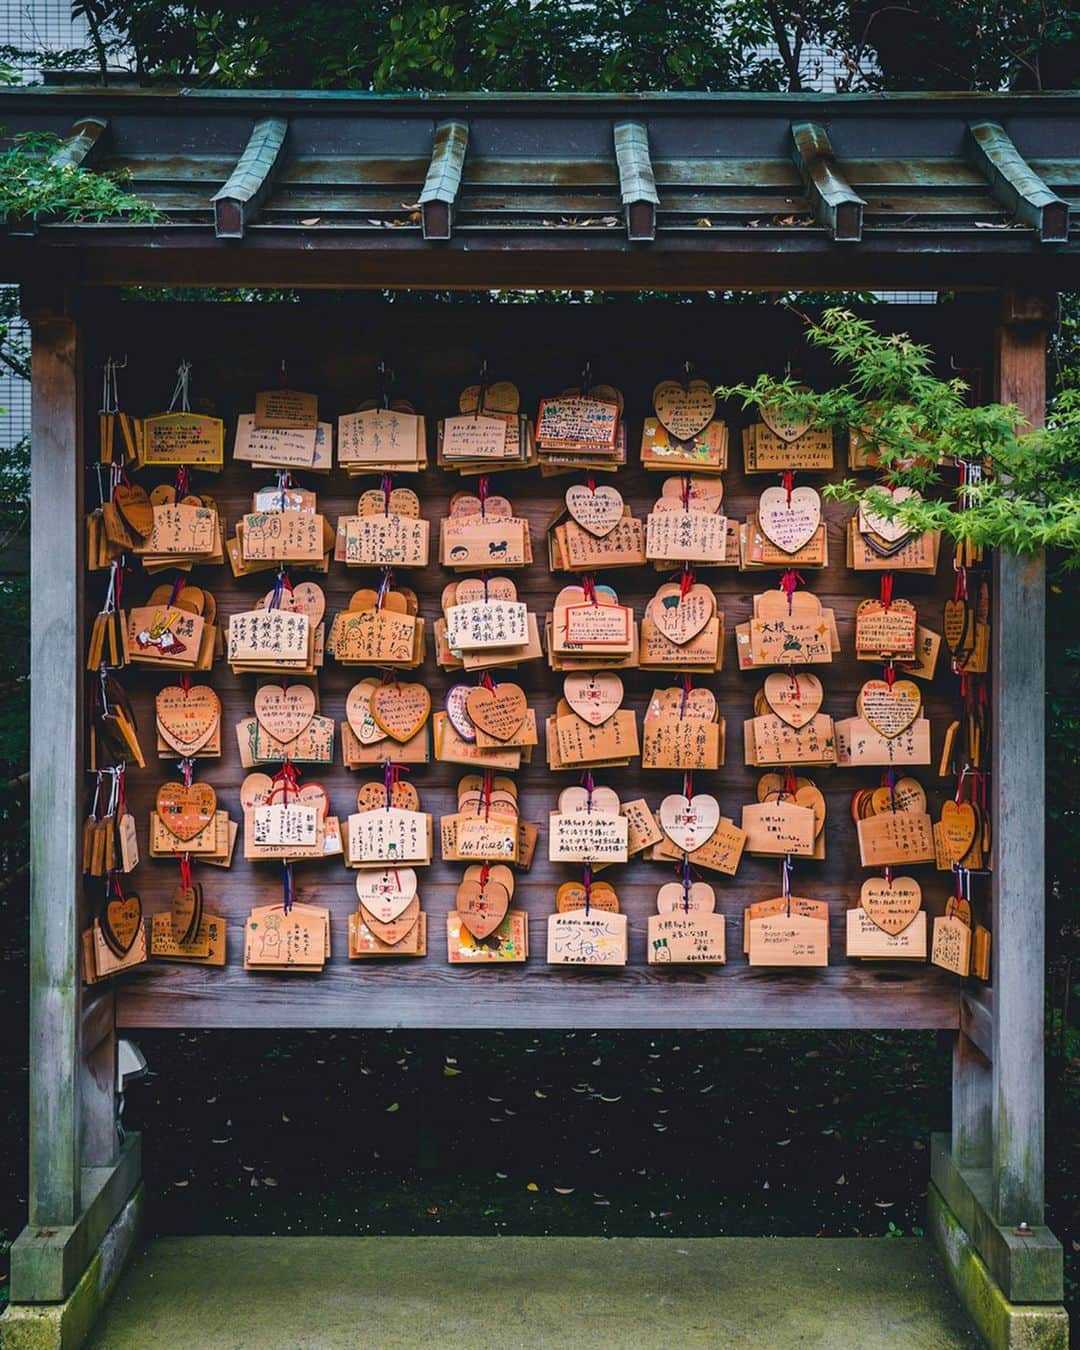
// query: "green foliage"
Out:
[1029,496]
[34,184]
[595,45]
[598,45]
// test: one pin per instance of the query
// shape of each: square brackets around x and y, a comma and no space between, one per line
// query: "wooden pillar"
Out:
[971,1104]
[1017,790]
[55,768]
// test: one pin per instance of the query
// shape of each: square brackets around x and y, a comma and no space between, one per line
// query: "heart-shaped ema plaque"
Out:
[255,790]
[684,410]
[786,425]
[579,800]
[594,697]
[358,713]
[795,698]
[131,500]
[457,710]
[889,708]
[790,525]
[571,896]
[959,825]
[689,822]
[386,894]
[482,905]
[313,794]
[372,797]
[596,509]
[120,920]
[694,705]
[400,709]
[681,616]
[891,905]
[874,522]
[392,931]
[186,811]
[697,898]
[906,794]
[500,711]
[284,713]
[188,720]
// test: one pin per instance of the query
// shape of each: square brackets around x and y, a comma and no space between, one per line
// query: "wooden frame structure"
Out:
[673,192]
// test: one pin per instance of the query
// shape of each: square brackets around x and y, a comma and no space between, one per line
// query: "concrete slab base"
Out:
[1002,1325]
[302,1293]
[65,1326]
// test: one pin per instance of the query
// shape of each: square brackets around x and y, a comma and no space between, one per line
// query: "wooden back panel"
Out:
[331,345]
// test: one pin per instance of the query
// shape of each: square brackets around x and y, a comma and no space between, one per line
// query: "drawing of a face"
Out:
[459,551]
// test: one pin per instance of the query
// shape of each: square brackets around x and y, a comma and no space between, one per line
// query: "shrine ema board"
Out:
[437,352]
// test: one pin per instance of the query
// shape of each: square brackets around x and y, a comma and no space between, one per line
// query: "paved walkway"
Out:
[473,1293]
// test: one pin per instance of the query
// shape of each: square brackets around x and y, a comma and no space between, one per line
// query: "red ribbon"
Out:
[886,588]
[287,777]
[391,775]
[482,492]
[789,584]
[687,580]
[185,871]
[789,484]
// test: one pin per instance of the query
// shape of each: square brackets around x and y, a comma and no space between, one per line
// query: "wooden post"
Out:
[1017,787]
[56,791]
[80,1176]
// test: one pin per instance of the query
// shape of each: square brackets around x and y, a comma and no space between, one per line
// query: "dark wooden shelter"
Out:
[350,192]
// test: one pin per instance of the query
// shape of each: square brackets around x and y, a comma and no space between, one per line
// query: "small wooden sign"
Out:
[776,829]
[380,436]
[787,940]
[286,409]
[387,540]
[685,536]
[389,837]
[176,438]
[487,623]
[597,938]
[951,945]
[686,939]
[895,839]
[865,939]
[592,837]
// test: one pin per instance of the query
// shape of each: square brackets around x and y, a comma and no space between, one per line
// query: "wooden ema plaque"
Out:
[428,991]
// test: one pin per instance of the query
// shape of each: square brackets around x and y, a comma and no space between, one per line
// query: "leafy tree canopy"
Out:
[596,45]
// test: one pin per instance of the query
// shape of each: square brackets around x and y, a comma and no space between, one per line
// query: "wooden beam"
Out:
[237,203]
[1016,184]
[1018,678]
[56,789]
[637,183]
[439,194]
[833,200]
[1028,1265]
[48,1261]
